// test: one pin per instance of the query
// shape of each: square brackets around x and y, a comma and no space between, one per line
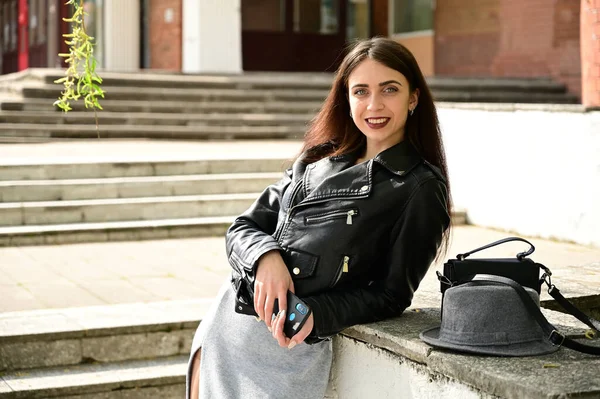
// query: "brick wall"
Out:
[590,52]
[509,38]
[165,32]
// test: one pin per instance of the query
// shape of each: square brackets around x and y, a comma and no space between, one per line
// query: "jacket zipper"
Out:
[344,268]
[333,215]
[289,216]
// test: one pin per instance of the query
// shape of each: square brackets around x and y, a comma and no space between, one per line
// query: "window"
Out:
[408,16]
[263,15]
[359,17]
[316,16]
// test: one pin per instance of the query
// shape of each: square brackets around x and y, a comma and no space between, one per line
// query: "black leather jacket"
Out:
[357,239]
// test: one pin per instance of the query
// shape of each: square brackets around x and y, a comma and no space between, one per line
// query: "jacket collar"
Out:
[400,158]
[339,177]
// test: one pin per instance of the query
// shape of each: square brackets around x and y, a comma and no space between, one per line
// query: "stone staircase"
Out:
[248,106]
[57,203]
[134,351]
[60,203]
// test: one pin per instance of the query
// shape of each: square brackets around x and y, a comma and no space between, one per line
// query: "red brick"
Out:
[512,38]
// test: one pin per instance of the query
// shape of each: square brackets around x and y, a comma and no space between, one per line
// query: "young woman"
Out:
[351,229]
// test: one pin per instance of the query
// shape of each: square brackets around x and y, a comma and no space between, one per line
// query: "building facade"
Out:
[483,38]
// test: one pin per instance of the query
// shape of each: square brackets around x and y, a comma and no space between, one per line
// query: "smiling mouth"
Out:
[377,123]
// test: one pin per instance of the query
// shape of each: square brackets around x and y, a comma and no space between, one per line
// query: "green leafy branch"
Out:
[80,78]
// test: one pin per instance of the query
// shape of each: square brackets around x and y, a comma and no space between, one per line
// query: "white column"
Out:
[212,36]
[122,35]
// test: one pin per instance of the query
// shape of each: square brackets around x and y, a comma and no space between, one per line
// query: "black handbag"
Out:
[518,272]
[520,268]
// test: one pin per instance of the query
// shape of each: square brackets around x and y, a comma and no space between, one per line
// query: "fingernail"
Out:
[269,328]
[258,319]
[292,344]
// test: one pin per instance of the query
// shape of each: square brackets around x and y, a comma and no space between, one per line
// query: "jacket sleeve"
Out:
[414,243]
[250,235]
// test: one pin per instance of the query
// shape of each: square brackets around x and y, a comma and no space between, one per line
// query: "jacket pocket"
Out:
[348,214]
[301,264]
[343,267]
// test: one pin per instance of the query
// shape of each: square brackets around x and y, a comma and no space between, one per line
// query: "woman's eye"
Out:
[390,89]
[360,92]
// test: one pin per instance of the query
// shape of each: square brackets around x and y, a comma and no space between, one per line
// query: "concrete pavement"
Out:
[61,276]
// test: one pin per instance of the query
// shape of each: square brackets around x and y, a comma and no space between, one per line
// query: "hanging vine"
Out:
[80,78]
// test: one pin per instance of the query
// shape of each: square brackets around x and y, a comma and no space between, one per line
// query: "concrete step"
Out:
[54,234]
[161,378]
[36,339]
[504,97]
[256,80]
[185,94]
[137,350]
[456,92]
[129,230]
[11,131]
[247,80]
[288,107]
[65,169]
[539,85]
[134,187]
[152,119]
[123,209]
[305,80]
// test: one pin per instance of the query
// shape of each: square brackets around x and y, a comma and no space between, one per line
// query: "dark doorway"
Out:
[38,33]
[294,35]
[9,39]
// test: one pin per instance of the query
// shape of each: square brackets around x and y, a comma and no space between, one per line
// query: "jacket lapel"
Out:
[338,176]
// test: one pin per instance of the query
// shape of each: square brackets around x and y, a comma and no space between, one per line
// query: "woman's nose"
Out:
[375,103]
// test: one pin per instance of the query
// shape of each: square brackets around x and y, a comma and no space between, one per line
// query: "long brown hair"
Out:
[333,132]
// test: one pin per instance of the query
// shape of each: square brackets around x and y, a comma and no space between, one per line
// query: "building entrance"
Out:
[300,35]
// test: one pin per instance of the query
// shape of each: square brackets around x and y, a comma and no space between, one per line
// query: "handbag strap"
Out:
[551,332]
[520,255]
[574,311]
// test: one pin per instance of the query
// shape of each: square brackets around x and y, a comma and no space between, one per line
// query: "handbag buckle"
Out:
[443,279]
[559,336]
[546,278]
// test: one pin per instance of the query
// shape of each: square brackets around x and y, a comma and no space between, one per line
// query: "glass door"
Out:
[38,31]
[9,18]
[359,19]
[293,35]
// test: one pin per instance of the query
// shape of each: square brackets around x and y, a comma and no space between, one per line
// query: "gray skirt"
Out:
[241,359]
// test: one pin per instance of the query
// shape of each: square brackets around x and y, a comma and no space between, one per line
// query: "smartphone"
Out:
[296,315]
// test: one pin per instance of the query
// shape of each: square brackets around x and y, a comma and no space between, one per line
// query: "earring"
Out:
[412,111]
[350,114]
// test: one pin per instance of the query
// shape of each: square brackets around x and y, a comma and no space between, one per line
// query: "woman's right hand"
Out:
[273,280]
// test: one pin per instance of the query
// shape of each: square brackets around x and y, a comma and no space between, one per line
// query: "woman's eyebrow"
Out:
[387,82]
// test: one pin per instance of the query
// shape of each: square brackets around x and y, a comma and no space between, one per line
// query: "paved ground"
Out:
[61,276]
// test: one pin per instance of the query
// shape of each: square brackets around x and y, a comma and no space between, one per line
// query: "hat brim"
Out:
[532,348]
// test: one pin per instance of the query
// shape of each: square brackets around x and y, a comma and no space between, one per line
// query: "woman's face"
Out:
[380,100]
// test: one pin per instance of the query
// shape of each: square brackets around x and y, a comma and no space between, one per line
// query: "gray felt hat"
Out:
[488,319]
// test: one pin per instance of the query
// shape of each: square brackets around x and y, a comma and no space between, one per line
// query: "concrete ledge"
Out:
[512,107]
[430,372]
